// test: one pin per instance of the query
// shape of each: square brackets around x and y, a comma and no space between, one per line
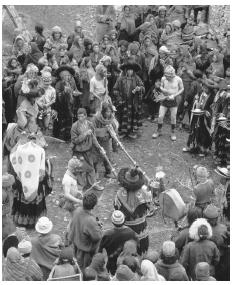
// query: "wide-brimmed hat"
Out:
[118,218]
[169,71]
[131,179]
[223,172]
[63,68]
[7,180]
[44,225]
[131,64]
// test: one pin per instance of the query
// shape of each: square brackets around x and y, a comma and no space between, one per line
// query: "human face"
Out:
[78,29]
[14,63]
[107,63]
[108,113]
[31,74]
[127,11]
[152,20]
[96,49]
[123,48]
[106,41]
[56,35]
[62,52]
[80,41]
[111,52]
[147,42]
[65,75]
[113,37]
[82,118]
[168,29]
[162,13]
[20,43]
[129,72]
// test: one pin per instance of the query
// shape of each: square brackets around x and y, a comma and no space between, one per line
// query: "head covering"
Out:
[113,32]
[152,255]
[152,50]
[163,49]
[56,29]
[63,68]
[194,230]
[131,179]
[211,212]
[46,77]
[73,164]
[169,71]
[131,64]
[202,270]
[105,58]
[133,47]
[87,42]
[176,23]
[13,255]
[25,247]
[223,172]
[44,225]
[149,271]
[162,8]
[31,67]
[82,111]
[123,273]
[118,218]
[123,43]
[197,73]
[46,69]
[7,180]
[201,171]
[95,44]
[78,24]
[169,248]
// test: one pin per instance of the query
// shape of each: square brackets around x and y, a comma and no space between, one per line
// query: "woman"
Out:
[126,24]
[77,34]
[216,68]
[168,262]
[86,73]
[202,249]
[98,263]
[202,59]
[188,31]
[20,49]
[77,49]
[130,249]
[53,43]
[87,47]
[18,268]
[39,38]
[166,34]
[129,91]
[161,19]
[46,247]
[149,272]
[96,55]
[102,122]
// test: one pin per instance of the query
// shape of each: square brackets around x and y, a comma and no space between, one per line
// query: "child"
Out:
[13,70]
[204,190]
[153,99]
[46,101]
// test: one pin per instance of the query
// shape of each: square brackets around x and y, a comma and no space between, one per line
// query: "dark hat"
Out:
[87,42]
[131,179]
[197,73]
[131,64]
[65,67]
[211,212]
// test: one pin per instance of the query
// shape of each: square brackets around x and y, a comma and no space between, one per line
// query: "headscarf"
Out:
[149,272]
[26,49]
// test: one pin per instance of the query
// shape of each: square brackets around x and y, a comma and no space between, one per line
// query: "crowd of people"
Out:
[94,94]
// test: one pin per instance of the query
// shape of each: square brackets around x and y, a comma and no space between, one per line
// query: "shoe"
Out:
[173,137]
[99,188]
[156,135]
[122,136]
[154,120]
[186,149]
[132,136]
[109,175]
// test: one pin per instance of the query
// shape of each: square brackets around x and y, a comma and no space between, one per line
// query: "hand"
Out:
[185,104]
[138,88]
[171,97]
[88,132]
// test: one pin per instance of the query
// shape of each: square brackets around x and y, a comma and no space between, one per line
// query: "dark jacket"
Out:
[166,270]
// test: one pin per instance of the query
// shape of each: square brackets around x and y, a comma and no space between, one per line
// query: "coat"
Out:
[167,270]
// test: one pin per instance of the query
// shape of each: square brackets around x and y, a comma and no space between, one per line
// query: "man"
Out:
[85,231]
[171,86]
[83,146]
[113,239]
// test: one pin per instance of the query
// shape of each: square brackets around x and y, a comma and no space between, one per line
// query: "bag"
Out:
[172,204]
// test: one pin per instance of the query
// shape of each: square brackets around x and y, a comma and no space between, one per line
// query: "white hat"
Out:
[25,247]
[44,225]
[163,49]
[118,218]
[78,24]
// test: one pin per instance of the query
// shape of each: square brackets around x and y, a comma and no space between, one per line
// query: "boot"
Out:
[173,136]
[158,133]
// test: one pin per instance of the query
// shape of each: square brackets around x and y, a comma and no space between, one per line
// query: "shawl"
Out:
[46,249]
[15,270]
[28,161]
[149,272]
[25,49]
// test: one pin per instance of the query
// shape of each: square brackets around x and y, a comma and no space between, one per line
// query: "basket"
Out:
[75,277]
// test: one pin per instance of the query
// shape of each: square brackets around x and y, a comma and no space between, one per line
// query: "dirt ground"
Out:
[149,154]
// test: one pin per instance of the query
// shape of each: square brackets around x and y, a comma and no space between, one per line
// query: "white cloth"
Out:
[28,161]
[70,184]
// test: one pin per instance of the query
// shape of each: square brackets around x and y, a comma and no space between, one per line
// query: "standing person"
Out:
[129,90]
[126,24]
[202,249]
[96,55]
[46,101]
[39,38]
[86,73]
[83,145]
[85,231]
[171,87]
[113,239]
[161,19]
[133,200]
[123,51]
[77,49]
[102,122]
[77,33]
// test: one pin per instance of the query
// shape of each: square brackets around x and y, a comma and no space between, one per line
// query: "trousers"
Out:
[163,111]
